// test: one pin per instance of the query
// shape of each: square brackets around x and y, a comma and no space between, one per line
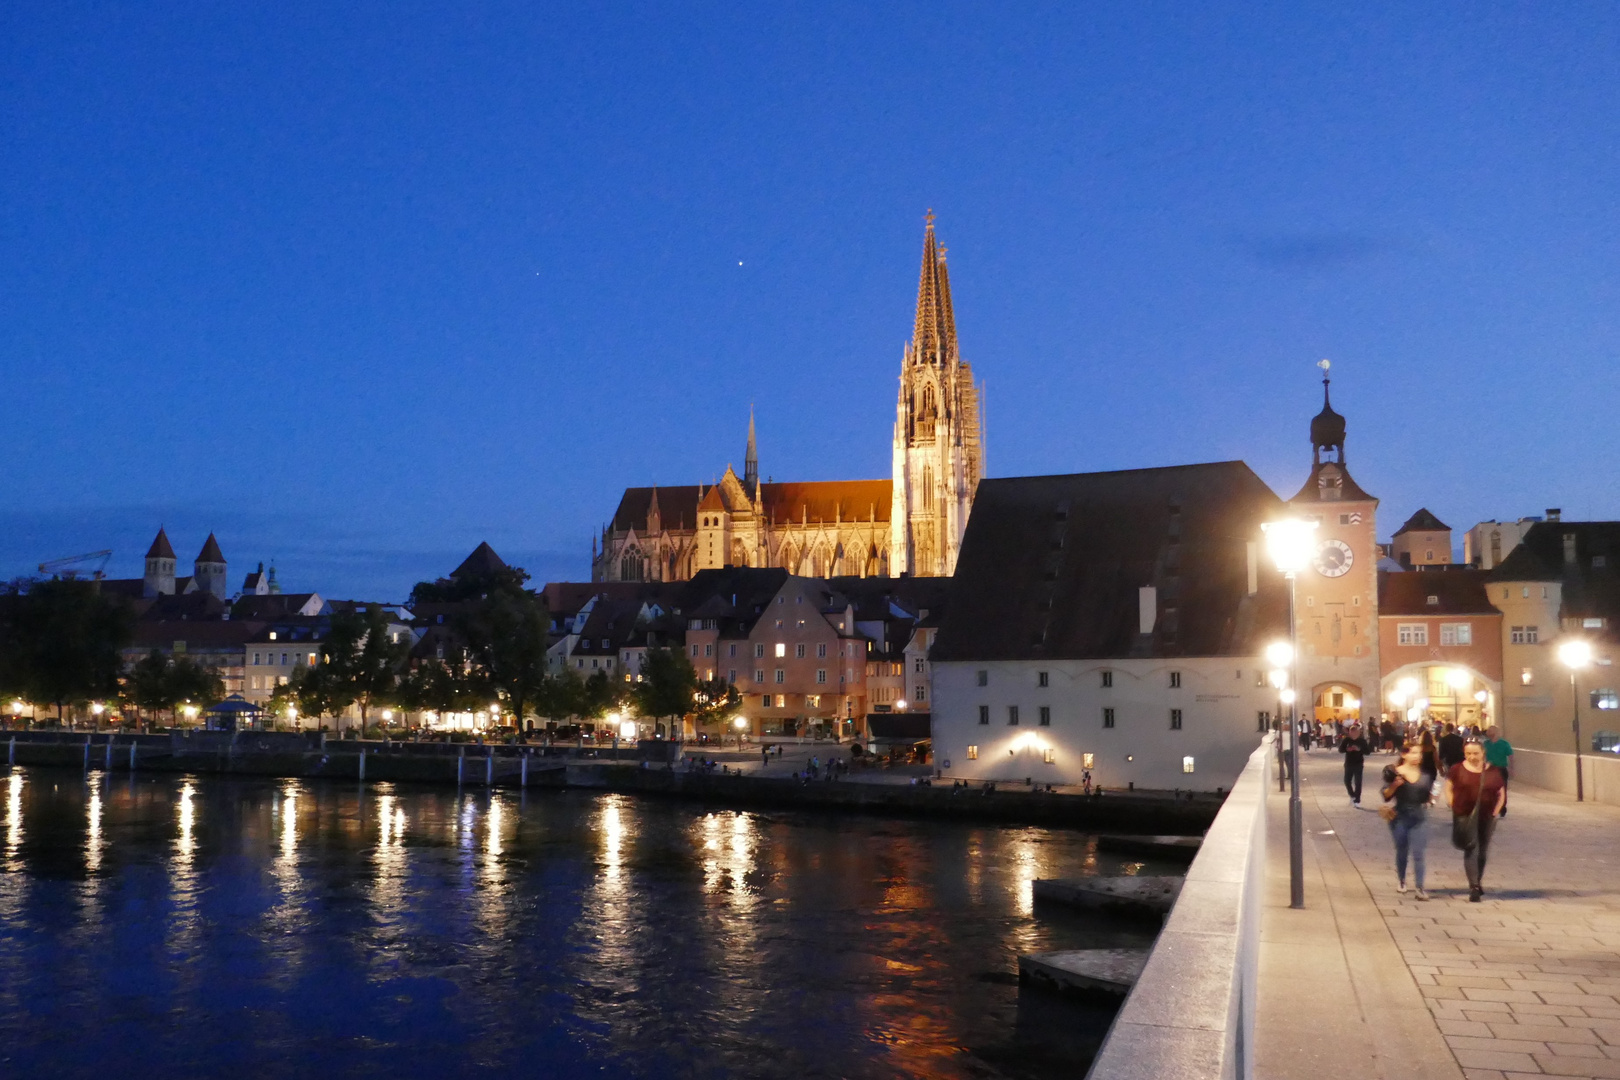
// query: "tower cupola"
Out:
[1327,426]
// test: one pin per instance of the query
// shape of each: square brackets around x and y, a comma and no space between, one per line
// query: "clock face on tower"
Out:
[1334,558]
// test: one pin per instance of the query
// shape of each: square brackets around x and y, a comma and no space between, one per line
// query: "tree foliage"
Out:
[157,683]
[61,641]
[668,685]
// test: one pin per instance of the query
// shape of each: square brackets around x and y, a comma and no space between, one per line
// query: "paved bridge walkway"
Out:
[1366,982]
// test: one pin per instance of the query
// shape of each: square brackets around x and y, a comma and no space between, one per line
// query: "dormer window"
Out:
[1432,601]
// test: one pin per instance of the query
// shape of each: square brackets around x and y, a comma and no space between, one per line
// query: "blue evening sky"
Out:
[359,285]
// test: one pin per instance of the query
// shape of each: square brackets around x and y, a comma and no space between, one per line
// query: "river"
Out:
[206,926]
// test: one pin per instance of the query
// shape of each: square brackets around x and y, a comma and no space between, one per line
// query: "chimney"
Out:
[1254,568]
[1555,513]
[1147,608]
[1569,549]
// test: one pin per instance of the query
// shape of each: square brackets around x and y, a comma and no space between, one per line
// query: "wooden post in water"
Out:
[12,760]
[87,753]
[461,759]
[362,764]
[524,781]
[109,753]
[489,768]
[132,745]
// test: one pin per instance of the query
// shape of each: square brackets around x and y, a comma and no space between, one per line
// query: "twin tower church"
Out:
[911,523]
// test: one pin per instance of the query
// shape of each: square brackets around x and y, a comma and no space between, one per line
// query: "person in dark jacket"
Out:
[1450,749]
[1355,748]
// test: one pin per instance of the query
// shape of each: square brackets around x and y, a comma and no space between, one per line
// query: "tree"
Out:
[505,633]
[443,686]
[599,695]
[363,659]
[67,638]
[561,696]
[717,700]
[157,682]
[668,685]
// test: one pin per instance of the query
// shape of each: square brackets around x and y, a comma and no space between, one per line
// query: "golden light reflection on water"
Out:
[92,835]
[14,821]
[729,844]
[390,862]
[185,847]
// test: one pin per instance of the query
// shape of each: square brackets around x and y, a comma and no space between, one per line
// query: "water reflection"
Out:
[413,932]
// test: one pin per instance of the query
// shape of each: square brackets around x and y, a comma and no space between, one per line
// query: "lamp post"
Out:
[1575,655]
[1280,654]
[1459,680]
[1290,543]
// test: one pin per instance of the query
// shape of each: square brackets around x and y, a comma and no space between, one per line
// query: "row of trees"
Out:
[60,642]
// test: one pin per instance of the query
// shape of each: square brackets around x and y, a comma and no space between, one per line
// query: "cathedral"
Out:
[909,524]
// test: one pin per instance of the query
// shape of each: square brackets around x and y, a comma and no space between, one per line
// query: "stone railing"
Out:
[1600,773]
[1191,1014]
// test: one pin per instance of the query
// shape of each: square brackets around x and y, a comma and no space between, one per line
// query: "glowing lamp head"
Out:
[1279,654]
[1458,679]
[627,730]
[1290,543]
[388,714]
[901,705]
[98,708]
[1480,696]
[1575,653]
[1353,703]
[740,722]
[1278,678]
[1407,686]
[1287,697]
[16,707]
[292,711]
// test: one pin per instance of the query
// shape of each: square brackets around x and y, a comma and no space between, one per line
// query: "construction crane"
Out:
[70,568]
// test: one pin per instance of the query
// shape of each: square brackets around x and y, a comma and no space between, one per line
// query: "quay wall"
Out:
[254,754]
[1191,1014]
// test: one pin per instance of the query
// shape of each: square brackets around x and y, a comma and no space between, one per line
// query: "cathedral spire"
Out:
[933,338]
[751,459]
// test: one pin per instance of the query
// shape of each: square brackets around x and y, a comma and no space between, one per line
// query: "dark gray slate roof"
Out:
[1051,566]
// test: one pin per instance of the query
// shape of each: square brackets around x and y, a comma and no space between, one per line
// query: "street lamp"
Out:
[1576,654]
[1290,543]
[1280,654]
[1459,680]
[292,715]
[900,706]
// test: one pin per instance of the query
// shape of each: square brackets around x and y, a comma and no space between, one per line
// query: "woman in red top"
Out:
[1475,792]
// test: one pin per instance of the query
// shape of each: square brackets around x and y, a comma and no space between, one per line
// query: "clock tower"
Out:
[1337,598]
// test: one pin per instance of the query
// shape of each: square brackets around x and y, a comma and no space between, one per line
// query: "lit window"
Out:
[272,635]
[1186,764]
[781,649]
[1592,624]
[1605,699]
[1088,760]
[973,753]
[1527,677]
[1049,755]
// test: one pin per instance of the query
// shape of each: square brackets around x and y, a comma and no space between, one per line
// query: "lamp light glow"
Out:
[1287,697]
[1279,654]
[1290,543]
[1278,678]
[1575,653]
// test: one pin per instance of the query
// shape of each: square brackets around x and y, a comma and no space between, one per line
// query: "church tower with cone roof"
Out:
[938,432]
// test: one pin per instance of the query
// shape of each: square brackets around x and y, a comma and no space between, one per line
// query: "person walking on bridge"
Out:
[1408,790]
[1355,748]
[1497,752]
[1475,794]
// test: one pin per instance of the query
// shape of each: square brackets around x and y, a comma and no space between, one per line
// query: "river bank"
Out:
[625,771]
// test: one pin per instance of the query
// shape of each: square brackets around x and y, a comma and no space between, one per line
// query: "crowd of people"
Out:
[1463,768]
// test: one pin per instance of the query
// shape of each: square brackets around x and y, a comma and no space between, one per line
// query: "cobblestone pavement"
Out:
[1525,983]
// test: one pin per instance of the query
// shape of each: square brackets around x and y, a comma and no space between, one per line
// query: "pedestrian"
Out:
[1354,746]
[1408,790]
[1497,752]
[1449,749]
[764,756]
[1304,735]
[1475,794]
[1085,782]
[1431,761]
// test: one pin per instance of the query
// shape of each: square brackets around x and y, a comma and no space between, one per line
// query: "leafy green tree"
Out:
[443,686]
[599,695]
[193,683]
[68,637]
[157,682]
[363,662]
[505,632]
[717,700]
[668,685]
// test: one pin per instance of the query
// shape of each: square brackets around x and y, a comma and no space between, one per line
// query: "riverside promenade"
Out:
[1366,982]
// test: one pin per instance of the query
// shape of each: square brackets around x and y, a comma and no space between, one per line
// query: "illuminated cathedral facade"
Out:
[911,523]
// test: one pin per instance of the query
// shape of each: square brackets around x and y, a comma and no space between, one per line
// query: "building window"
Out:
[781,676]
[759,674]
[731,676]
[973,753]
[1088,761]
[921,694]
[798,651]
[1413,633]
[1175,680]
[1012,716]
[1592,624]
[1605,699]
[984,676]
[1046,716]
[812,701]
[1516,635]
[821,651]
[1186,764]
[1107,679]
[1456,634]
[984,714]
[1532,635]
[1527,677]
[708,650]
[781,650]
[1049,755]
[821,675]
[1263,721]
[1175,719]
[1108,718]
[759,649]
[765,699]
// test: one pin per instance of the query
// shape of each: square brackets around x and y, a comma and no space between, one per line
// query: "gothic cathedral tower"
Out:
[938,433]
[1336,611]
